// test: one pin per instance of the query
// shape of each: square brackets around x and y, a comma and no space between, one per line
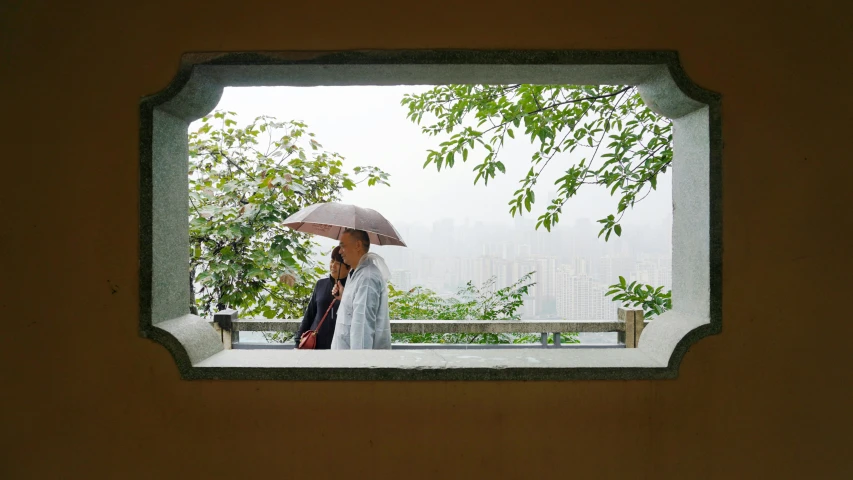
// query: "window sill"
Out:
[661,346]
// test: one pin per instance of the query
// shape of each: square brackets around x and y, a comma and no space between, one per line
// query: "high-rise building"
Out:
[520,268]
[483,270]
[545,277]
[442,237]
[402,279]
[580,297]
[502,272]
[603,270]
[508,251]
[581,266]
[563,291]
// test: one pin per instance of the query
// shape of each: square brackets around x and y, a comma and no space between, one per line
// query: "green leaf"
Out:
[630,165]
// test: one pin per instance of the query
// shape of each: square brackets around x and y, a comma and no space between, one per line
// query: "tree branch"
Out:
[603,132]
[555,105]
[195,207]
[572,129]
[238,167]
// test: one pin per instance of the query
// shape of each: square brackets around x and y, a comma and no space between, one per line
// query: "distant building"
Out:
[563,291]
[572,268]
[402,279]
[603,270]
[580,297]
[546,286]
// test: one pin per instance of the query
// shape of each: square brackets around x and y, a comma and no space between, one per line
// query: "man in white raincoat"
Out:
[363,321]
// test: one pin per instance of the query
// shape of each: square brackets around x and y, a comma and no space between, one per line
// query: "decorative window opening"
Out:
[198,346]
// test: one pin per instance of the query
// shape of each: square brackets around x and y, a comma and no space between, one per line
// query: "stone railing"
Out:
[628,325]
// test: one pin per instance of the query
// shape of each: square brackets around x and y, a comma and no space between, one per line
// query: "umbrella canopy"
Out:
[330,220]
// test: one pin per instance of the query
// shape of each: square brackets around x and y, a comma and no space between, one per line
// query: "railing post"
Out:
[633,326]
[223,322]
[639,323]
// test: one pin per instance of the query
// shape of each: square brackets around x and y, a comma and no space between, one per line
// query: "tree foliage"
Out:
[653,301]
[243,182]
[622,145]
[471,303]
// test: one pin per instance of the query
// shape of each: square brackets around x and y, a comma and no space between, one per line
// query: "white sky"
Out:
[368,126]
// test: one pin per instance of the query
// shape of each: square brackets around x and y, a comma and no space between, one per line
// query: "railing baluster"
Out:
[544,338]
[224,322]
[556,339]
[633,326]
[639,323]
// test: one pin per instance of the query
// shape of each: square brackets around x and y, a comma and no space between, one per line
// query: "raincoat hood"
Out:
[371,258]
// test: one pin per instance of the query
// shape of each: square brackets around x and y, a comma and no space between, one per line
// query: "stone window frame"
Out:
[164,289]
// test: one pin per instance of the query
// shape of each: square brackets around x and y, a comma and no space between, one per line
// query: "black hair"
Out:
[360,236]
[336,256]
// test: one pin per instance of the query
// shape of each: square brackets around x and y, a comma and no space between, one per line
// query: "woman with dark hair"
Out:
[321,299]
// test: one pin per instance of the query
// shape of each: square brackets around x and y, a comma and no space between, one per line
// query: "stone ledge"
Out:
[523,364]
[452,326]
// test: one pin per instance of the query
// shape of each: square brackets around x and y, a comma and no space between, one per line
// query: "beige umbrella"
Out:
[330,220]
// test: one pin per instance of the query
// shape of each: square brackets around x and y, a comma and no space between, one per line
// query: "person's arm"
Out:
[308,318]
[338,291]
[365,308]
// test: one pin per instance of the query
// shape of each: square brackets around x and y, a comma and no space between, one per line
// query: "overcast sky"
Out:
[368,126]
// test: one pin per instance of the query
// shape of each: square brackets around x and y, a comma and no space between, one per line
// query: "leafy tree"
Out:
[623,146]
[652,300]
[472,303]
[626,145]
[243,182]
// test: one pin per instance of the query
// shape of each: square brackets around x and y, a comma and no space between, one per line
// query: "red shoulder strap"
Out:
[325,315]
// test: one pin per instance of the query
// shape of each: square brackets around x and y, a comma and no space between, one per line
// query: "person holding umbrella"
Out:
[321,314]
[362,318]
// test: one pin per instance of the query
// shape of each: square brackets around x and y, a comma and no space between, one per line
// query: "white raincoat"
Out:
[363,322]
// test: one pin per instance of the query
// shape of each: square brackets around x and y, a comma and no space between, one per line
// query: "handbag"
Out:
[308,340]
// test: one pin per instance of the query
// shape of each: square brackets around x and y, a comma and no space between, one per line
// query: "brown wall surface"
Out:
[83,396]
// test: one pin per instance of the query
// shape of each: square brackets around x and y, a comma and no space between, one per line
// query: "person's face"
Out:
[338,269]
[350,249]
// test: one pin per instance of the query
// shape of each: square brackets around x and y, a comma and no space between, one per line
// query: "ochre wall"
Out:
[84,397]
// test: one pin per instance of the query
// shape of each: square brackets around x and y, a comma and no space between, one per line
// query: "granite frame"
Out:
[196,89]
